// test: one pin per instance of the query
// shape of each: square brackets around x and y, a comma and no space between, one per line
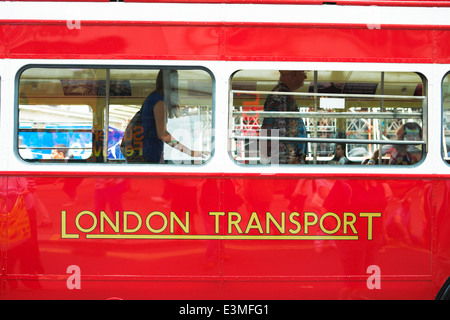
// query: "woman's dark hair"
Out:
[171,94]
[413,126]
[335,158]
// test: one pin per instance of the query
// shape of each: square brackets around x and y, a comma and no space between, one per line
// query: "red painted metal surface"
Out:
[321,235]
[236,260]
[219,41]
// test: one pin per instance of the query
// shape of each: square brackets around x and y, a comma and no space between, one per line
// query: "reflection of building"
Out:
[72,114]
[43,126]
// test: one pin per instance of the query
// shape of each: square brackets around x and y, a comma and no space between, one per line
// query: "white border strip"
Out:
[253,13]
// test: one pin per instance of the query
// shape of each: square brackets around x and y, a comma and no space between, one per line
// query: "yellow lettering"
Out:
[140,146]
[370,216]
[174,217]
[269,218]
[110,225]
[157,213]
[78,217]
[216,219]
[309,223]
[129,151]
[338,222]
[64,234]
[254,218]
[97,150]
[125,221]
[234,223]
[291,219]
[349,223]
[104,216]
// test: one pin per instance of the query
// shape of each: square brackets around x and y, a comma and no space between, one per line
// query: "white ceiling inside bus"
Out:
[394,82]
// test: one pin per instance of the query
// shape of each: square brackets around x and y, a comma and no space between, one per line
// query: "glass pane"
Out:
[187,97]
[81,114]
[56,112]
[303,115]
[446,118]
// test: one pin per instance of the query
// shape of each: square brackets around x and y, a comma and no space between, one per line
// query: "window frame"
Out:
[443,139]
[423,117]
[108,68]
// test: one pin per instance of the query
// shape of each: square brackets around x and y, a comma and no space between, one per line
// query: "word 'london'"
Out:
[224,225]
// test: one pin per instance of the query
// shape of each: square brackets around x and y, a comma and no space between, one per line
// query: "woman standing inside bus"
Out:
[162,101]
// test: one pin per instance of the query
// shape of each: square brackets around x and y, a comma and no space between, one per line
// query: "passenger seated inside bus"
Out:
[59,151]
[339,156]
[401,154]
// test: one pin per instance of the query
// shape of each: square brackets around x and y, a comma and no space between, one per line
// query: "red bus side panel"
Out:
[440,227]
[4,41]
[111,42]
[330,44]
[442,51]
[222,42]
[214,237]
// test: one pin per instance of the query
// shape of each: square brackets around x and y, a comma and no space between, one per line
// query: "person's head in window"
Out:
[157,106]
[167,85]
[402,154]
[59,151]
[407,154]
[294,79]
[339,156]
[409,131]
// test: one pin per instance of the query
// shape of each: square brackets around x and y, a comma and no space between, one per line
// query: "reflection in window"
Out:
[306,117]
[81,114]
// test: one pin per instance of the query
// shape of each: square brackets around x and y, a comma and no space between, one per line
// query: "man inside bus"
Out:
[289,152]
[59,151]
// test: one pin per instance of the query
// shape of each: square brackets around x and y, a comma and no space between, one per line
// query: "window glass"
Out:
[327,117]
[81,115]
[446,118]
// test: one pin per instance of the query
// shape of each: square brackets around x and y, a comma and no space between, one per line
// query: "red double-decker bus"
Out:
[304,152]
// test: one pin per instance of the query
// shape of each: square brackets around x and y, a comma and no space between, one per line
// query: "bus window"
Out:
[327,117]
[446,118]
[80,114]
